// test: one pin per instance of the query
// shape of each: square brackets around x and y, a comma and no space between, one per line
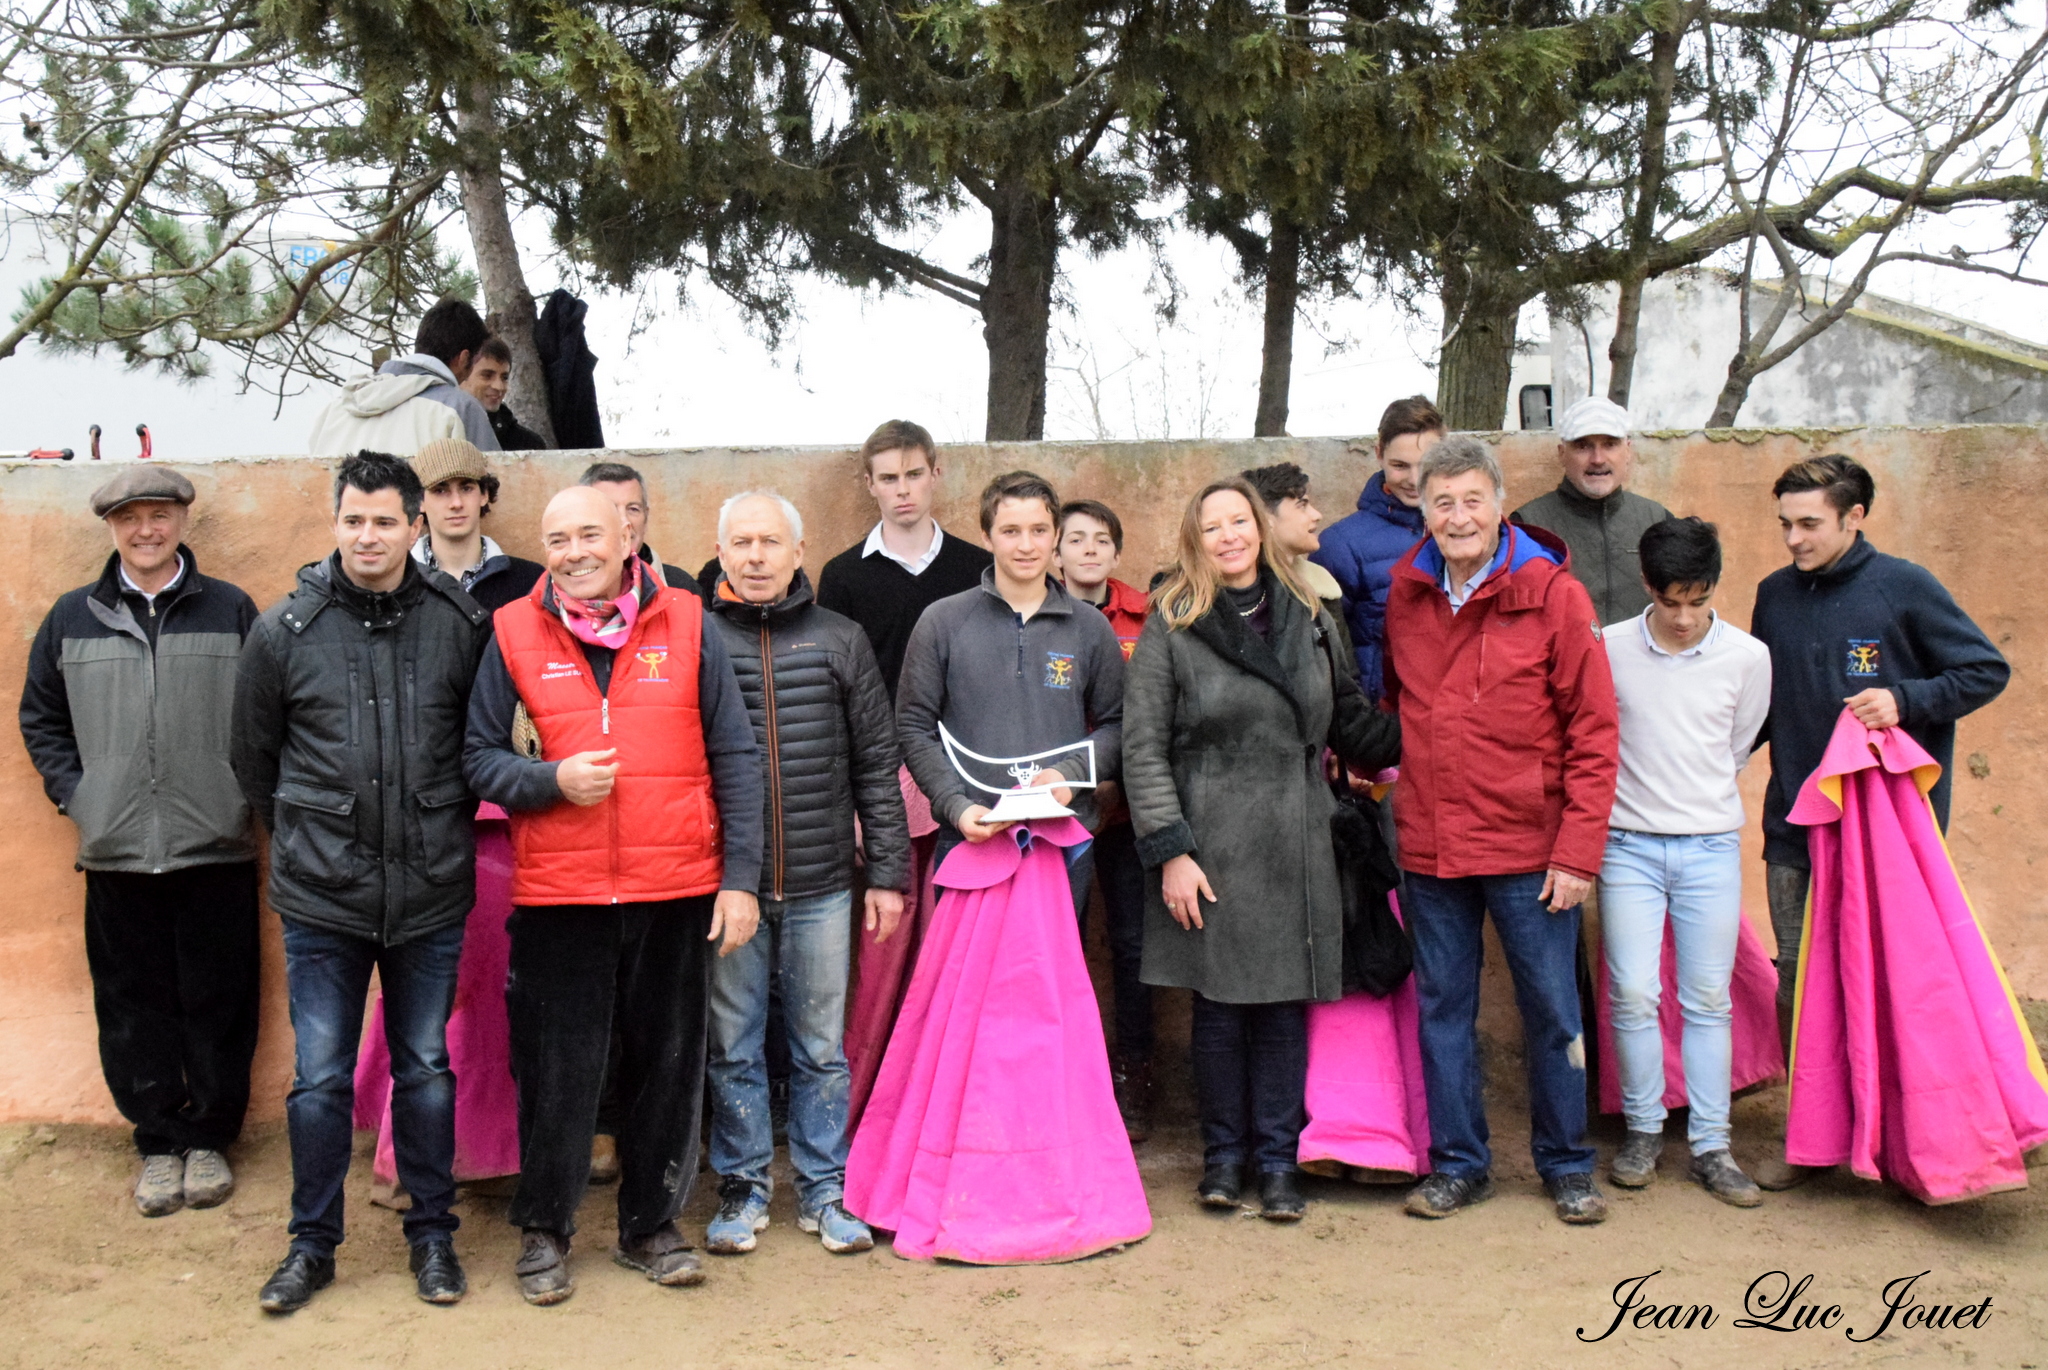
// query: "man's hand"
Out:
[1180,881]
[974,825]
[585,778]
[1563,891]
[884,912]
[1876,707]
[734,916]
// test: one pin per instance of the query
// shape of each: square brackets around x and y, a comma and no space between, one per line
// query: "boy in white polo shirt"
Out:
[1694,690]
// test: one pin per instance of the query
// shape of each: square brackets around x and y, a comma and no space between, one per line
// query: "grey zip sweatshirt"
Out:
[1007,687]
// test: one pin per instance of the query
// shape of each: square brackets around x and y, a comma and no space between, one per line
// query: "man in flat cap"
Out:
[1599,518]
[460,491]
[126,713]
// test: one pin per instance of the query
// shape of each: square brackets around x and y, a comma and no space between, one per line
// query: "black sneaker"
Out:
[543,1268]
[1439,1196]
[1280,1200]
[1578,1201]
[662,1256]
[294,1283]
[437,1274]
[1635,1165]
[1221,1185]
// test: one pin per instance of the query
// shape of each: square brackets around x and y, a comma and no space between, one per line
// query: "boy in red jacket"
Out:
[1091,543]
[1510,741]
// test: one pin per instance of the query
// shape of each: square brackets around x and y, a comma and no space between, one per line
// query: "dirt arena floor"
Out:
[1356,1284]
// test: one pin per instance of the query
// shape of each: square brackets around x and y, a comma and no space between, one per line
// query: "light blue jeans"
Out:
[1698,881]
[807,944]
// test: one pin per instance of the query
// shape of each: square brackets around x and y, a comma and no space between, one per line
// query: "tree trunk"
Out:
[1016,308]
[508,304]
[1734,394]
[1283,290]
[1477,360]
[1628,305]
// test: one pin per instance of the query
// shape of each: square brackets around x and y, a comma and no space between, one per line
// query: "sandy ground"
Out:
[1357,1283]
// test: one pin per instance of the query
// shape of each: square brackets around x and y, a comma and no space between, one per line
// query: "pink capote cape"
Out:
[479,1033]
[1758,1055]
[1910,1060]
[992,1135]
[1366,1103]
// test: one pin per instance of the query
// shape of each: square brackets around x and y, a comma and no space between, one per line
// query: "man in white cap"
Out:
[1593,511]
[126,715]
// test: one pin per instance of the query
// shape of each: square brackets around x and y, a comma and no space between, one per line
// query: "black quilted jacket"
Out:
[827,735]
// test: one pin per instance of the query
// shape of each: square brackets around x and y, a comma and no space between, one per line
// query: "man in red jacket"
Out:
[608,723]
[1509,745]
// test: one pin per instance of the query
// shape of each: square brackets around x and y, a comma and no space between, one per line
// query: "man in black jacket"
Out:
[350,704]
[489,378]
[828,742]
[1848,626]
[125,714]
[1599,518]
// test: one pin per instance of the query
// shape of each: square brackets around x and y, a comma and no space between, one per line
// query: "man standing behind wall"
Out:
[1361,548]
[126,714]
[413,399]
[626,488]
[349,706]
[828,736]
[1599,519]
[1847,625]
[1509,736]
[608,723]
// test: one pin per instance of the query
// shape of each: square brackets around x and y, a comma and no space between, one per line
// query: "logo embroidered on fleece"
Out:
[652,658]
[1863,656]
[1059,670]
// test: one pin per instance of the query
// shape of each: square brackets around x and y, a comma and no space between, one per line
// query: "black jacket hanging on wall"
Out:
[569,365]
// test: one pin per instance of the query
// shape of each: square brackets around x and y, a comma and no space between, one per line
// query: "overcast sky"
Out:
[693,375]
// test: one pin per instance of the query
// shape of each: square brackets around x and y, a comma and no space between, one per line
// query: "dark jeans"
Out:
[1121,876]
[174,961]
[328,974]
[578,972]
[1785,886]
[1446,918]
[1251,1068]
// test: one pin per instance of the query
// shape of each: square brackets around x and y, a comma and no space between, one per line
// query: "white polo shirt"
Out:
[1688,723]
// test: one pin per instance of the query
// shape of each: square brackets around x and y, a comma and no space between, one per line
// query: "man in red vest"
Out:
[609,724]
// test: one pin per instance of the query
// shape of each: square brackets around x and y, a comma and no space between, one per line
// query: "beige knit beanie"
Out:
[447,459]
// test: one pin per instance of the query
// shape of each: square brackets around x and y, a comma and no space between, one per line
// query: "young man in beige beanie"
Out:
[460,491]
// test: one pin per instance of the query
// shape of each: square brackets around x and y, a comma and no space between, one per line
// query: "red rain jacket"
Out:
[1510,735]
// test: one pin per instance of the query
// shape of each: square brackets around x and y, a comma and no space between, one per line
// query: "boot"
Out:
[1131,1077]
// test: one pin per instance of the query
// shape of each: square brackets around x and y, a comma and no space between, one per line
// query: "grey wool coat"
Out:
[1223,740]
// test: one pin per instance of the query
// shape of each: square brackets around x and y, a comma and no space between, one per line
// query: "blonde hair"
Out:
[1188,589]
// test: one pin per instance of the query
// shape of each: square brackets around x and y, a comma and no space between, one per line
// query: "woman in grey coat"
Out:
[1229,700]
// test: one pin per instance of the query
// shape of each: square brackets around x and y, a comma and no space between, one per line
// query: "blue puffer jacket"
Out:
[1360,551]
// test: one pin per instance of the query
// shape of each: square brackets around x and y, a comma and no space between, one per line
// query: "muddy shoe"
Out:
[662,1256]
[543,1268]
[208,1181]
[160,1189]
[1280,1198]
[1635,1165]
[1578,1201]
[1221,1185]
[300,1276]
[1776,1175]
[1724,1179]
[604,1159]
[1439,1196]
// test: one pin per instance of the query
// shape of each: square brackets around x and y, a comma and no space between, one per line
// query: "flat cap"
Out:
[1593,414]
[447,459]
[142,480]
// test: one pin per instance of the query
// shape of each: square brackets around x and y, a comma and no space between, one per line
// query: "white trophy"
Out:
[1026,799]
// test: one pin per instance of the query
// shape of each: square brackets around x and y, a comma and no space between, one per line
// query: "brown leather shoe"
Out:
[1777,1175]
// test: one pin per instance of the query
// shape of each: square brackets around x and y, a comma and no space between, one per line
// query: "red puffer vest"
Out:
[656,836]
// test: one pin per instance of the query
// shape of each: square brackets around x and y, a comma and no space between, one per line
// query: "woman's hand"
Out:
[1180,879]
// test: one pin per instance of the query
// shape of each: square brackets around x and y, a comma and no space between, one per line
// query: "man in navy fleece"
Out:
[1847,625]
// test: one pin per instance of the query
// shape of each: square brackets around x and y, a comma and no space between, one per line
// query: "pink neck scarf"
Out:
[604,622]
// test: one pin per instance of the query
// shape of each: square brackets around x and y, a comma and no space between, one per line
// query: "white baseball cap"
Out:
[1591,415]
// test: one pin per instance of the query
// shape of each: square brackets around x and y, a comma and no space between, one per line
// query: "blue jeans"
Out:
[806,944]
[1698,879]
[1446,917]
[328,977]
[1251,1071]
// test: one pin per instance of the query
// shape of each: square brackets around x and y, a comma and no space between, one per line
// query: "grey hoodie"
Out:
[372,411]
